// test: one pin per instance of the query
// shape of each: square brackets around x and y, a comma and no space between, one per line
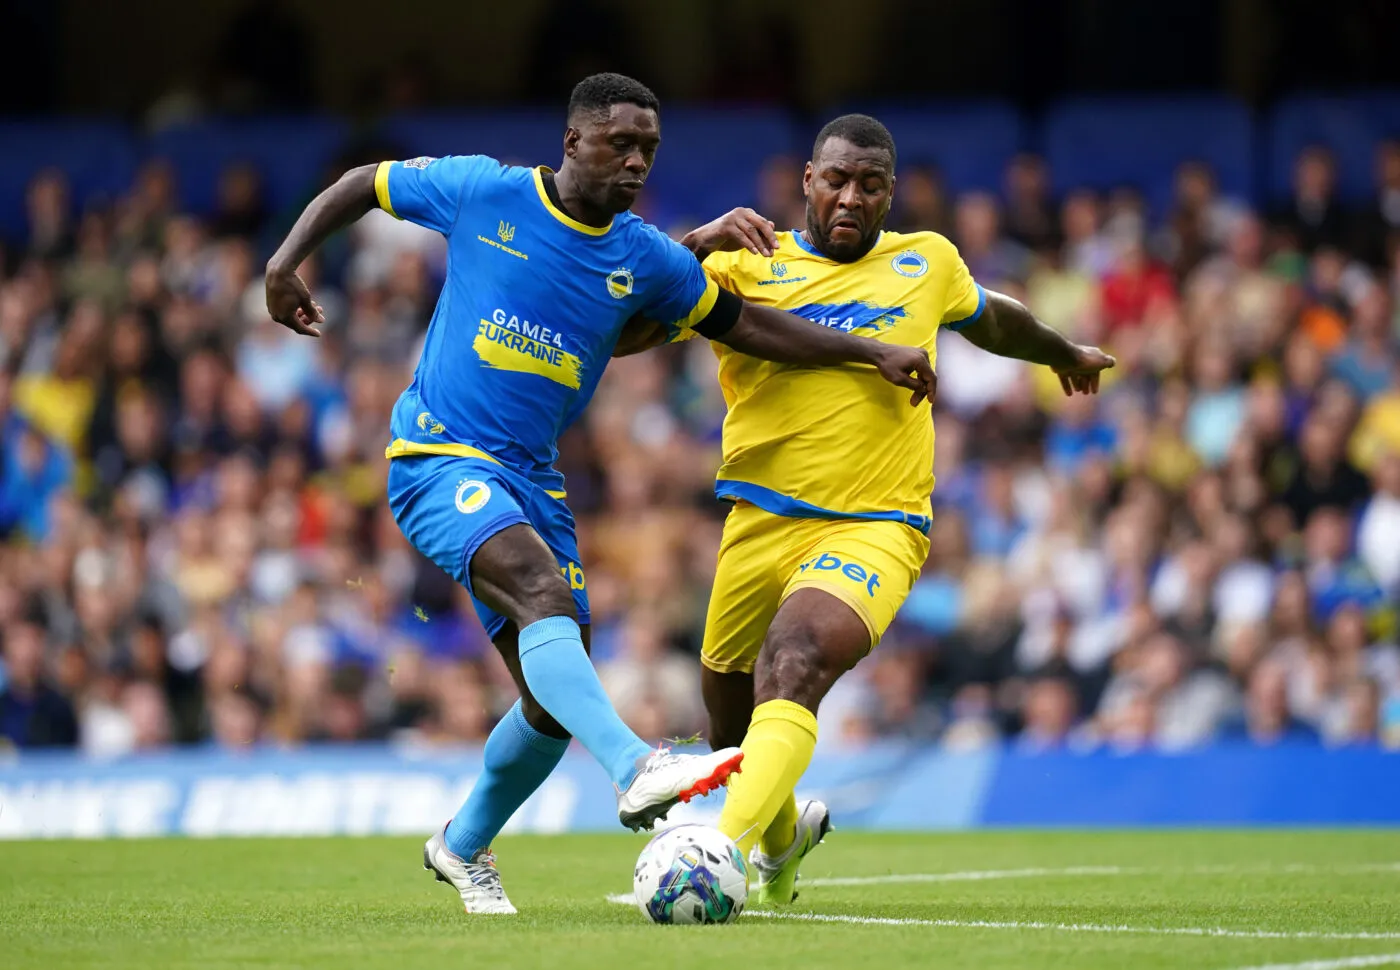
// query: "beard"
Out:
[818,236]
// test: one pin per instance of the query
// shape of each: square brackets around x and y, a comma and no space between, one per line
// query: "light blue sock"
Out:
[563,680]
[518,760]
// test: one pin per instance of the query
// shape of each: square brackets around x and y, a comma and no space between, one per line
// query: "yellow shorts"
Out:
[764,558]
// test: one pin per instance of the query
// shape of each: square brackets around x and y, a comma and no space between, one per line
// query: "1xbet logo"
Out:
[573,572]
[854,571]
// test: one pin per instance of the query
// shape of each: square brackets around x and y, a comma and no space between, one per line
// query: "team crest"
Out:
[422,161]
[472,495]
[620,283]
[910,263]
[778,269]
[430,424]
[505,231]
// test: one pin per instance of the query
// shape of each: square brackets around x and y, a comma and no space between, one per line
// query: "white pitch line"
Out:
[959,924]
[624,899]
[974,876]
[1341,963]
[988,874]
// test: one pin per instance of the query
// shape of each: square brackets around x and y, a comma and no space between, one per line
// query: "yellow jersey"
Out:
[839,442]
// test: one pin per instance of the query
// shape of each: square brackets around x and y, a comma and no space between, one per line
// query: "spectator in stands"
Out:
[1324,477]
[1379,526]
[49,207]
[1087,249]
[1267,719]
[780,197]
[1136,288]
[921,204]
[1366,362]
[1218,410]
[241,211]
[646,680]
[192,513]
[1378,229]
[1313,213]
[1031,219]
[991,256]
[33,713]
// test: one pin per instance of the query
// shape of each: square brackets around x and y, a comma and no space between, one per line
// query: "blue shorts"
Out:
[448,506]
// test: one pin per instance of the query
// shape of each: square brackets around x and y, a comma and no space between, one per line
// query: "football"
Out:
[691,874]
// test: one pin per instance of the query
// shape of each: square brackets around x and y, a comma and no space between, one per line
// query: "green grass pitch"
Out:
[1044,899]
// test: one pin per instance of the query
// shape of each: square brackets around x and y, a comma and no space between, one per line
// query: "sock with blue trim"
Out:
[563,680]
[518,760]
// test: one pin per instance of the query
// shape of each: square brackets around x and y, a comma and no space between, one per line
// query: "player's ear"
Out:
[571,137]
[807,179]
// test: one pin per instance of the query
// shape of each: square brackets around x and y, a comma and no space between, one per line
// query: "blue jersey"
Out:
[530,312]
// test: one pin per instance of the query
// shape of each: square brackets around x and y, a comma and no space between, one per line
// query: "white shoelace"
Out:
[483,874]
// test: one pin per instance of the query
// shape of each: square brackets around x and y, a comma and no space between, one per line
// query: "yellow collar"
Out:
[564,217]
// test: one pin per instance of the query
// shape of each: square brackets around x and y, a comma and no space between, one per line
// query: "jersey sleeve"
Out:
[430,191]
[717,267]
[683,293]
[965,299]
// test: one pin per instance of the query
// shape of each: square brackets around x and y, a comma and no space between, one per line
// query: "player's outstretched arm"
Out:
[1008,329]
[770,334]
[288,300]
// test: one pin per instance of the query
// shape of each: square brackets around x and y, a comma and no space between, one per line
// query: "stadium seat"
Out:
[1104,143]
[708,162]
[527,137]
[710,158]
[1350,125]
[98,157]
[970,142]
[291,153]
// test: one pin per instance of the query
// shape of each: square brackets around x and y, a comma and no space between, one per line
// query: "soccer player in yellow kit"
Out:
[830,470]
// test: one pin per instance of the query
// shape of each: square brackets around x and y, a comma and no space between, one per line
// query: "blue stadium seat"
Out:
[970,142]
[1104,143]
[525,137]
[292,153]
[1350,125]
[710,158]
[98,157]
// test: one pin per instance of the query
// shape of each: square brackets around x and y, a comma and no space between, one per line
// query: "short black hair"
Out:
[599,92]
[862,131]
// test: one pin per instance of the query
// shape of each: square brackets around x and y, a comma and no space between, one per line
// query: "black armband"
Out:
[722,316]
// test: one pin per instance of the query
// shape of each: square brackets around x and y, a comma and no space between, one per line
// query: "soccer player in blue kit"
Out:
[544,269]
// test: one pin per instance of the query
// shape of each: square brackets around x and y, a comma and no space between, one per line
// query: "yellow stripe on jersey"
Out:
[381,189]
[402,448]
[839,442]
[702,307]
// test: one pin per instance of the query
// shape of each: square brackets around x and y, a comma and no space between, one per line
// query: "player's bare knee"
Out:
[794,668]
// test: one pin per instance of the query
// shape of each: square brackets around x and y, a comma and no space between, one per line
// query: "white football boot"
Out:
[777,877]
[665,779]
[476,880]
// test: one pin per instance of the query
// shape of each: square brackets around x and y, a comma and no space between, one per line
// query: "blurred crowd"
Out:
[197,549]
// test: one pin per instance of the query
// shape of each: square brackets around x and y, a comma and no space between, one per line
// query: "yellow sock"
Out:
[778,836]
[777,750]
